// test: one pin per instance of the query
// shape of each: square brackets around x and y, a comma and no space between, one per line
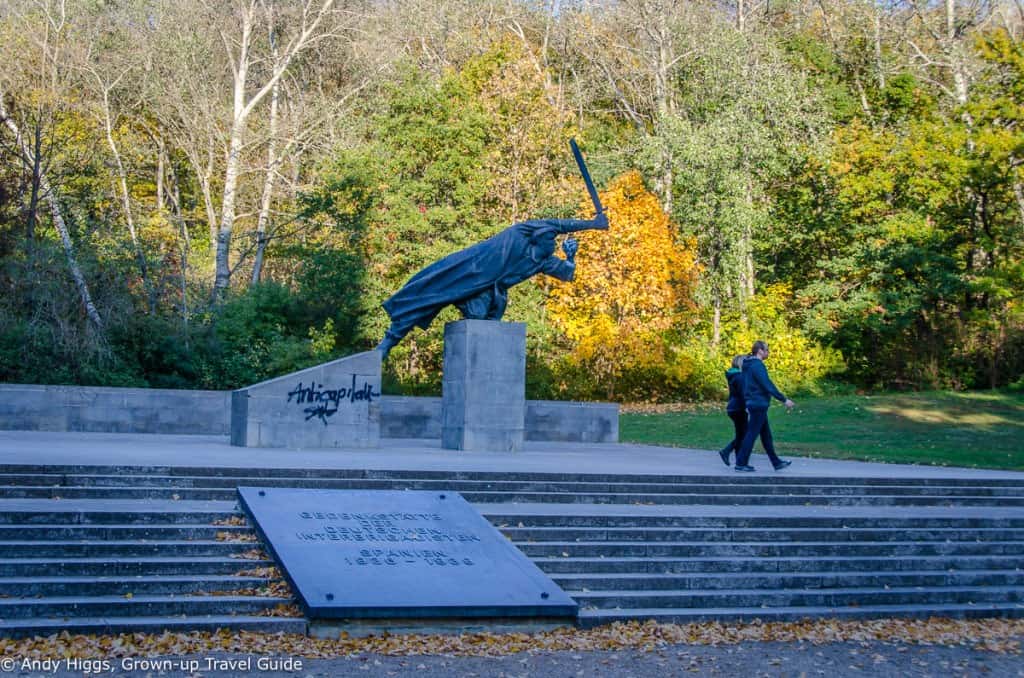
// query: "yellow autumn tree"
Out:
[634,283]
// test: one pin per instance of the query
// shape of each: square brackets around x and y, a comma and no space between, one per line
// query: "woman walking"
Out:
[736,407]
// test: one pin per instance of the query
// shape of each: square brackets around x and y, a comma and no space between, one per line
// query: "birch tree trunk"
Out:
[58,220]
[69,253]
[126,202]
[1018,194]
[222,269]
[161,153]
[243,106]
[716,322]
[175,200]
[665,98]
[33,203]
[956,58]
[879,69]
[268,187]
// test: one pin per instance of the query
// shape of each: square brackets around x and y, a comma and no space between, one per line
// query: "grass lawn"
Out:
[982,429]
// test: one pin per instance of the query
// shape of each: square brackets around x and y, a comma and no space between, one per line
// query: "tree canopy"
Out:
[198,194]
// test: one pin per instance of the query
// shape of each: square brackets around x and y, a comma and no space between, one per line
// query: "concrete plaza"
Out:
[132,449]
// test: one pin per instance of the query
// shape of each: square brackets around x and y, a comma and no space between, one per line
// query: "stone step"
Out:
[722,486]
[23,587]
[798,534]
[32,479]
[149,512]
[136,606]
[593,618]
[726,476]
[127,567]
[787,581]
[127,548]
[129,492]
[690,499]
[23,628]
[888,520]
[558,565]
[835,597]
[120,532]
[524,497]
[150,533]
[146,513]
[765,549]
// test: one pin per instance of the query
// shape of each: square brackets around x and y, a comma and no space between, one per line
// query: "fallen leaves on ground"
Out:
[269,572]
[236,521]
[990,635]
[282,610]
[225,535]
[274,589]
[251,554]
[665,408]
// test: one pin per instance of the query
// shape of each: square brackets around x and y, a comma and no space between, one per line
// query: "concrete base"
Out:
[336,404]
[483,390]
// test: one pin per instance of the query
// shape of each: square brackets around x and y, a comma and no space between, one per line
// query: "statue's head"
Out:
[542,244]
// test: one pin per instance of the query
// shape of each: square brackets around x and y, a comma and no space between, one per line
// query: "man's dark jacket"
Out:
[734,377]
[758,389]
[501,261]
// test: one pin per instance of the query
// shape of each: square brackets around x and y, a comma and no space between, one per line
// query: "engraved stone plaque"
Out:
[374,554]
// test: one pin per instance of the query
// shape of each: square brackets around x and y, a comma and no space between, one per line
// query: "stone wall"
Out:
[571,422]
[30,407]
[335,404]
[551,420]
[26,407]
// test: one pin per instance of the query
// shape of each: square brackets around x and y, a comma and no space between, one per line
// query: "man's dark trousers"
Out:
[757,425]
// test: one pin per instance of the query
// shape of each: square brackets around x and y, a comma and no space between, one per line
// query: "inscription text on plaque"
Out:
[366,554]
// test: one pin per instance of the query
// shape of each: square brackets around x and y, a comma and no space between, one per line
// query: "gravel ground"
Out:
[748,660]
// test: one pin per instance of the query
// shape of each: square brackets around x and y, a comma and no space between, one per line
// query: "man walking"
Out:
[758,390]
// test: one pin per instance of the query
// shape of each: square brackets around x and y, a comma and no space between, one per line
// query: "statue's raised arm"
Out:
[476,280]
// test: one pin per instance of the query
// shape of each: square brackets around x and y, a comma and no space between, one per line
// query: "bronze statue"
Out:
[476,280]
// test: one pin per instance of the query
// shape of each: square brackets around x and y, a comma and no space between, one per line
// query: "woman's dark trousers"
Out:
[739,422]
[757,425]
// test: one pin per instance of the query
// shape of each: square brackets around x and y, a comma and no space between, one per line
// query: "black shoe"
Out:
[724,454]
[745,468]
[782,464]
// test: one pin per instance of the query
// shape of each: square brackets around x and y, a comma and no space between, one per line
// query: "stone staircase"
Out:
[115,549]
[683,569]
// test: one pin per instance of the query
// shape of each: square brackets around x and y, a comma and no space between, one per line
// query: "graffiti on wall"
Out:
[322,403]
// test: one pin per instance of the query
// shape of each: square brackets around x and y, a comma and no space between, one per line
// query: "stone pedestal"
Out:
[336,404]
[483,392]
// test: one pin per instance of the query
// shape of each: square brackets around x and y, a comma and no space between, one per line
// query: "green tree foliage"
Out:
[918,242]
[450,162]
[845,181]
[799,363]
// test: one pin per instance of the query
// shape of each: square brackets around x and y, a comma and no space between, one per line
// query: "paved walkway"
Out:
[132,449]
[792,660]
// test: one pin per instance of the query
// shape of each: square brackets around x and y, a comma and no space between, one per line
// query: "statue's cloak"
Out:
[501,261]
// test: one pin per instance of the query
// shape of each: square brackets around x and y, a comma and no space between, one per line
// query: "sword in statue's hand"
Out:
[598,208]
